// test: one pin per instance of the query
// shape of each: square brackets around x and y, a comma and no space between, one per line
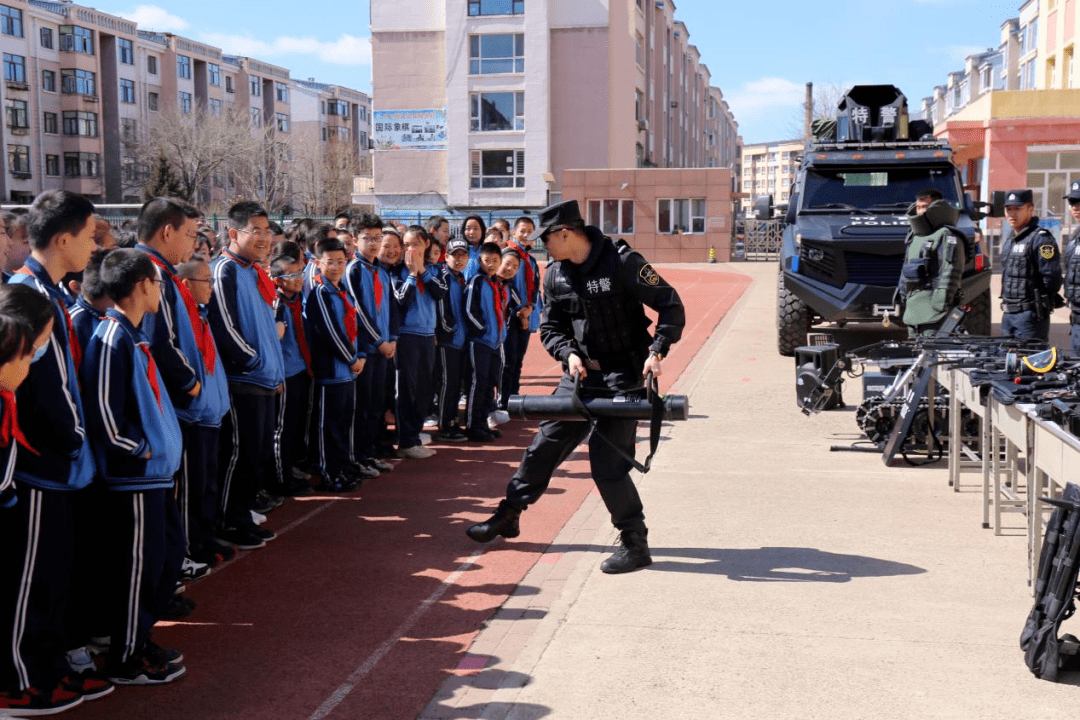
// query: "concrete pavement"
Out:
[788,581]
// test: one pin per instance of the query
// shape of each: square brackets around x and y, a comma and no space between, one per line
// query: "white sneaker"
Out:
[499,417]
[425,438]
[257,517]
[79,660]
[192,570]
[416,452]
[431,421]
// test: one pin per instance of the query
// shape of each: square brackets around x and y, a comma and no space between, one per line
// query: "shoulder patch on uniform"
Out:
[648,275]
[1047,252]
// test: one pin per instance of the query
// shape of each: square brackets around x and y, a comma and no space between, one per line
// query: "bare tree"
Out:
[827,97]
[199,146]
[322,174]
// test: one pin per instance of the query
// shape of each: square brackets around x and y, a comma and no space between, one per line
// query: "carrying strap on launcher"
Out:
[656,401]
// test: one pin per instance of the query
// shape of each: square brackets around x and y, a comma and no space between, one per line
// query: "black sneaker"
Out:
[32,702]
[479,435]
[223,550]
[453,435]
[261,533]
[299,488]
[363,471]
[179,607]
[207,556]
[162,655]
[265,502]
[383,467]
[87,684]
[241,538]
[144,670]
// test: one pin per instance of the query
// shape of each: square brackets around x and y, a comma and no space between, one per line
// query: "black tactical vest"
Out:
[1072,271]
[610,324]
[1018,272]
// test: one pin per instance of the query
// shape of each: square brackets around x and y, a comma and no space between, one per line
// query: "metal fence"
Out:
[759,240]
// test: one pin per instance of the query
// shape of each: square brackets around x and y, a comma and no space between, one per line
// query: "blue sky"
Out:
[761,55]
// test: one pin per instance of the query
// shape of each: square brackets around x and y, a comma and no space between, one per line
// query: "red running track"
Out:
[366,603]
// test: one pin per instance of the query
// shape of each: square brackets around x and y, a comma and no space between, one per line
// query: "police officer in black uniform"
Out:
[594,324]
[1071,260]
[1031,272]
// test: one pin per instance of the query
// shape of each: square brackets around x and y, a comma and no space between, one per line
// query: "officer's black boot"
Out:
[504,522]
[633,552]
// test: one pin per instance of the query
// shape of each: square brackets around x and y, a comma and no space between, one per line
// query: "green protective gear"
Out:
[934,258]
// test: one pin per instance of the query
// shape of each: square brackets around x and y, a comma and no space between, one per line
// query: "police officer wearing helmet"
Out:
[1071,257]
[1031,272]
[934,257]
[594,323]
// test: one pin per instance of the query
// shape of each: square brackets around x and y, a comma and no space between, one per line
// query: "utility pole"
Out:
[809,110]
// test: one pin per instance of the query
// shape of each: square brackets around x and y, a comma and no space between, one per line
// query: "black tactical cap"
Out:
[1019,197]
[554,215]
[1074,192]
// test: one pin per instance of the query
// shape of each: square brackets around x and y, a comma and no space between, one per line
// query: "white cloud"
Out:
[152,17]
[766,92]
[959,53]
[346,50]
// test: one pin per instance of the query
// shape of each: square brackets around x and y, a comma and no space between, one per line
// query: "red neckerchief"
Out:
[376,284]
[499,293]
[9,423]
[351,327]
[203,339]
[296,309]
[266,286]
[530,274]
[151,372]
[73,339]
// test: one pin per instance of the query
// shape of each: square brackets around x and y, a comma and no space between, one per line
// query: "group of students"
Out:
[173,392]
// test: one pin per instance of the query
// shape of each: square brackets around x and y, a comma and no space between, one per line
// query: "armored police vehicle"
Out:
[843,241]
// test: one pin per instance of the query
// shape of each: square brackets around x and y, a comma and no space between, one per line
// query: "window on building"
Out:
[363,140]
[684,215]
[152,100]
[337,107]
[183,67]
[78,82]
[256,117]
[127,91]
[215,107]
[496,7]
[494,54]
[613,217]
[213,74]
[19,160]
[1067,68]
[126,50]
[184,99]
[128,130]
[639,52]
[492,112]
[48,80]
[362,110]
[229,87]
[77,164]
[324,134]
[282,122]
[151,64]
[11,21]
[14,68]
[47,38]
[77,122]
[17,114]
[498,168]
[639,105]
[50,123]
[76,39]
[52,165]
[256,86]
[281,92]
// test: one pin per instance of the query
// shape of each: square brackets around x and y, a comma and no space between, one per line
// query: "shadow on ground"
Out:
[777,564]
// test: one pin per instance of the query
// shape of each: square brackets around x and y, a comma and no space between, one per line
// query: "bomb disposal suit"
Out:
[934,258]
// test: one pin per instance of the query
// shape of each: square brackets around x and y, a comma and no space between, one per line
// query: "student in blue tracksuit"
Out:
[294,404]
[92,302]
[417,288]
[61,232]
[389,258]
[526,320]
[309,237]
[246,332]
[199,467]
[473,230]
[332,322]
[137,444]
[26,323]
[451,336]
[487,304]
[370,288]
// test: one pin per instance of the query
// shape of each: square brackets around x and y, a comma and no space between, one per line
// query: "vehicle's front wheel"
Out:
[792,319]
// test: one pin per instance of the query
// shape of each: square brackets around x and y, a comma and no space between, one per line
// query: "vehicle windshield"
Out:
[880,189]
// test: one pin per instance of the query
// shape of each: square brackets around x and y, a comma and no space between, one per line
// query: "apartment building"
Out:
[486,103]
[1012,114]
[81,87]
[721,134]
[769,169]
[331,113]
